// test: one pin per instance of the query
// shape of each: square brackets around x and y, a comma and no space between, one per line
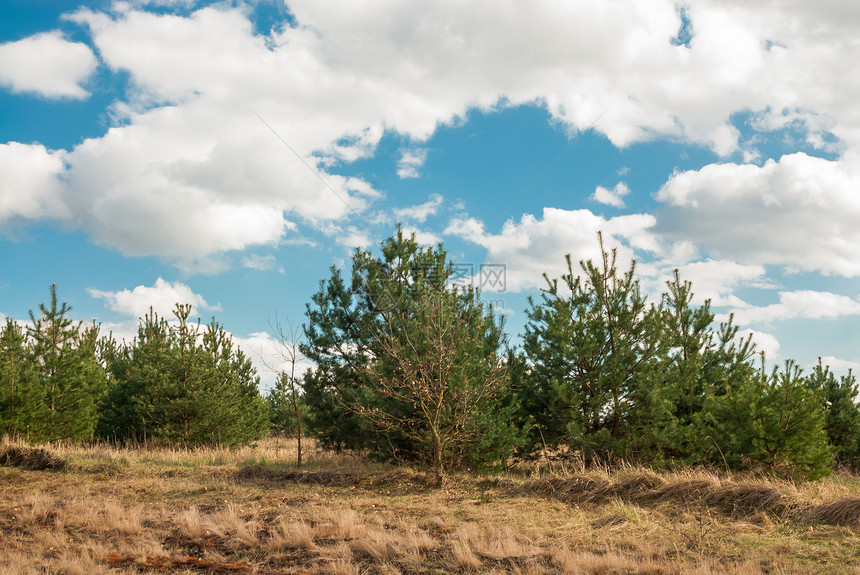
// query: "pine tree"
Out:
[183,383]
[698,363]
[406,366]
[842,415]
[71,379]
[774,420]
[17,379]
[593,342]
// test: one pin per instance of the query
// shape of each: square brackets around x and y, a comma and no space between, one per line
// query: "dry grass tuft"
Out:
[491,542]
[751,499]
[843,512]
[630,487]
[684,491]
[23,456]
[191,523]
[292,535]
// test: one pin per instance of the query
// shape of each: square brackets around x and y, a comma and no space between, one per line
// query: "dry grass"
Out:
[106,510]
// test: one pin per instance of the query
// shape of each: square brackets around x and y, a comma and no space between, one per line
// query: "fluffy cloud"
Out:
[161,297]
[534,246]
[800,304]
[613,197]
[420,212]
[716,280]
[800,212]
[29,187]
[764,342]
[48,65]
[840,366]
[225,132]
[410,162]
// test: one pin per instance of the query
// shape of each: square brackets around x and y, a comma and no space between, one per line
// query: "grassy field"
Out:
[99,510]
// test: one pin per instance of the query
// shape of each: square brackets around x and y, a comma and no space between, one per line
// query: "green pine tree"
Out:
[775,421]
[842,415]
[185,384]
[593,342]
[70,377]
[17,379]
[406,366]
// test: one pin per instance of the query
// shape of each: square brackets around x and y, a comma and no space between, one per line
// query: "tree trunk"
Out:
[299,439]
[438,471]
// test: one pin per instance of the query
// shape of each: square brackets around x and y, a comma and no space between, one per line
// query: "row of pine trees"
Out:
[405,366]
[176,382]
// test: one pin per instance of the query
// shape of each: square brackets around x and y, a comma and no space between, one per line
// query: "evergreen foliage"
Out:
[592,343]
[697,363]
[17,380]
[407,366]
[183,383]
[771,420]
[842,415]
[69,377]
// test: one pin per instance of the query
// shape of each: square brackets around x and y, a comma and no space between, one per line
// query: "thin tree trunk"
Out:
[298,433]
[438,472]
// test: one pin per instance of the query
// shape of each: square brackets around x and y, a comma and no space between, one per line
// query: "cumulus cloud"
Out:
[161,297]
[764,342]
[420,212]
[800,304]
[716,280]
[534,246]
[225,132]
[611,197]
[29,187]
[423,237]
[840,366]
[800,212]
[410,162]
[47,64]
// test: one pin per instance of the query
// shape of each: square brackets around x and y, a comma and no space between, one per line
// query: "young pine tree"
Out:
[406,366]
[774,420]
[593,342]
[842,415]
[70,379]
[179,383]
[17,379]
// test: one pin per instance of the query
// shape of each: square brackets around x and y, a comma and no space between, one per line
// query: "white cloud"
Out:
[270,356]
[800,212]
[763,342]
[613,197]
[806,304]
[409,163]
[259,263]
[533,247]
[161,297]
[716,280]
[423,237]
[29,187]
[353,237]
[839,366]
[421,212]
[48,65]
[188,152]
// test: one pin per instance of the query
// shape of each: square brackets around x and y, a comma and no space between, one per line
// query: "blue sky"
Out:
[227,153]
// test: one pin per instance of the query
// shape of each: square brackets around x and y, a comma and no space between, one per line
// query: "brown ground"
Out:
[101,510]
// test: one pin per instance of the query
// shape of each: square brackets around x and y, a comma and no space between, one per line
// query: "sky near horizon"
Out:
[226,154]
